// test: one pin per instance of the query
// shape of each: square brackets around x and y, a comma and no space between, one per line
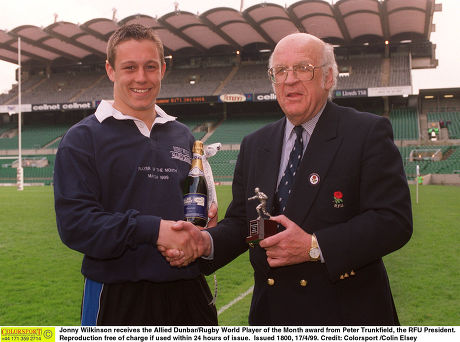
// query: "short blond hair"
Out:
[136,32]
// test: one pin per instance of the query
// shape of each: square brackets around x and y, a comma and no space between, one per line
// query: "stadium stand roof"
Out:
[224,30]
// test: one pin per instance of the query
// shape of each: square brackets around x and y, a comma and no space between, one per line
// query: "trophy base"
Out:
[260,229]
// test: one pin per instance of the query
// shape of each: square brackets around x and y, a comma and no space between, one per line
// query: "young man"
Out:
[118,176]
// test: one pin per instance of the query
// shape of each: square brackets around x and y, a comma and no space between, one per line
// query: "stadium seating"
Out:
[249,79]
[405,124]
[58,88]
[449,164]
[101,89]
[362,72]
[199,124]
[42,175]
[207,78]
[6,127]
[453,120]
[400,74]
[193,81]
[35,136]
[233,130]
[223,165]
[27,85]
[179,81]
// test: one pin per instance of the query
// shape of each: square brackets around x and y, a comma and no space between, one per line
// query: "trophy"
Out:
[261,227]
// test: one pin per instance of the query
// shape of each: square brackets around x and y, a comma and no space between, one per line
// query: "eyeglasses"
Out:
[303,72]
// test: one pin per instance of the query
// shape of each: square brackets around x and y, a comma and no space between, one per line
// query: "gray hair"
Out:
[329,62]
[328,59]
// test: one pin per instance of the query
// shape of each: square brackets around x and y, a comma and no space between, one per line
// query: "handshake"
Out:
[182,242]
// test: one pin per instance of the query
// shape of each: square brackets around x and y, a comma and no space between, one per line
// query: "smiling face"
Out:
[137,72]
[301,100]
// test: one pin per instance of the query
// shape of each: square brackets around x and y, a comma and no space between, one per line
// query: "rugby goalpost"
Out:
[421,154]
[20,170]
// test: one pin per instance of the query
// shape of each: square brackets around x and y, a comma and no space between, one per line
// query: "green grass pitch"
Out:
[41,284]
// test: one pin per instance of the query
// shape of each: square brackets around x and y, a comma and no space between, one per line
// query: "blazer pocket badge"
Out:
[338,199]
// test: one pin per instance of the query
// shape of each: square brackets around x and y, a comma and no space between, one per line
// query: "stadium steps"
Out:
[448,153]
[385,76]
[226,80]
[212,130]
[84,90]
[424,126]
[199,126]
[8,130]
[53,142]
[26,91]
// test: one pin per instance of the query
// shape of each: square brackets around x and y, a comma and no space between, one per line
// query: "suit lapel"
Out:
[268,160]
[314,166]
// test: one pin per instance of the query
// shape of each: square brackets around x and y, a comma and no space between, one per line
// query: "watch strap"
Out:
[314,247]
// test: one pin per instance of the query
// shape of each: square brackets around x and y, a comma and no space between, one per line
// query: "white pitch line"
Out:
[236,300]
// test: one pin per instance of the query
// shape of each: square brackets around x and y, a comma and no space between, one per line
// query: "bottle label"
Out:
[195,205]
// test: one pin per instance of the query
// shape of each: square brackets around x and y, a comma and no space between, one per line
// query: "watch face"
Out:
[314,253]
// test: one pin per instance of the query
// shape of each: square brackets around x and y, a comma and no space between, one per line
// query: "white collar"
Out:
[106,110]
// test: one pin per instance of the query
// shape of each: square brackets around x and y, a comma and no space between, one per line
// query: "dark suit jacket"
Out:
[352,153]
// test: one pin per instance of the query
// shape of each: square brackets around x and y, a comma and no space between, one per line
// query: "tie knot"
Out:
[298,131]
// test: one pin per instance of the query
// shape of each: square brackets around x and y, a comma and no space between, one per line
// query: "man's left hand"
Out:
[288,247]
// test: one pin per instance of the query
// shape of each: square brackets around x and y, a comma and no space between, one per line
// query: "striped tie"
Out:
[284,188]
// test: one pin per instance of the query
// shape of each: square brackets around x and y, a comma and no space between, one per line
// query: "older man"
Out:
[336,182]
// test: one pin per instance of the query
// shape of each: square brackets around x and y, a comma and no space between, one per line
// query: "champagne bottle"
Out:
[196,190]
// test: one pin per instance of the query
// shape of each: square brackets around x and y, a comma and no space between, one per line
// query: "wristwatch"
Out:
[314,252]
